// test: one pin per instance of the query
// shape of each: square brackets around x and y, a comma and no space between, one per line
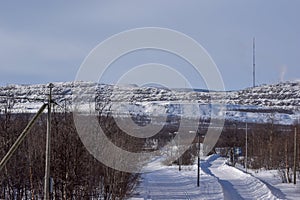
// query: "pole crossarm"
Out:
[21,137]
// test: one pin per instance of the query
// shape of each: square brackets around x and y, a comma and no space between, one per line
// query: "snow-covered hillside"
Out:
[279,102]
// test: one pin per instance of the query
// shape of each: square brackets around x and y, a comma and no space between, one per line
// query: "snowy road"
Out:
[218,181]
[169,183]
[237,184]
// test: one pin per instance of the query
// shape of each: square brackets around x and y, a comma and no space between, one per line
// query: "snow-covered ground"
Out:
[217,181]
[272,179]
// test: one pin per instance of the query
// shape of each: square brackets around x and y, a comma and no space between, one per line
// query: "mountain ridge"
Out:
[280,98]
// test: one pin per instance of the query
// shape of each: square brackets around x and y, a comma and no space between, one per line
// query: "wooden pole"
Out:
[287,162]
[179,159]
[198,168]
[295,154]
[21,138]
[48,146]
[246,154]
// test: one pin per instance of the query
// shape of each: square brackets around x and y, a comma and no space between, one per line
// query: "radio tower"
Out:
[254,62]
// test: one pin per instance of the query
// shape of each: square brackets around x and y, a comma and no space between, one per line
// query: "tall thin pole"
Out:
[287,162]
[254,62]
[48,143]
[179,159]
[234,145]
[246,155]
[21,137]
[295,154]
[198,169]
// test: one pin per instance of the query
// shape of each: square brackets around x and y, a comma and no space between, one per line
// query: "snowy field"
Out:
[217,181]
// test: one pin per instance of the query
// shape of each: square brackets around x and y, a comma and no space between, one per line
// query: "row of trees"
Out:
[270,146]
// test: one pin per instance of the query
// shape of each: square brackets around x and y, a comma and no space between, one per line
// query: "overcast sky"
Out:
[46,41]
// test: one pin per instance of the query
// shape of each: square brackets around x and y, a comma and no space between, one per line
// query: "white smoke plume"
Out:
[283,70]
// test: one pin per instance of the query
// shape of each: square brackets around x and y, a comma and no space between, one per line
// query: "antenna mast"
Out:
[253,61]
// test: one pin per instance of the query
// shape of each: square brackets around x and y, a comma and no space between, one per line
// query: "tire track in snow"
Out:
[217,181]
[169,183]
[228,191]
[237,184]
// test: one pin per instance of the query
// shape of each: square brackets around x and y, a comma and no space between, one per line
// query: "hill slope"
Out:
[279,101]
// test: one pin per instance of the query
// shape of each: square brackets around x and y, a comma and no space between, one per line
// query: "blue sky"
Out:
[43,42]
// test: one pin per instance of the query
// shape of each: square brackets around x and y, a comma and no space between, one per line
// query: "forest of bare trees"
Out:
[75,173]
[270,146]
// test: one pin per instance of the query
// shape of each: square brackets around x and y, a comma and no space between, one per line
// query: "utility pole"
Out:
[295,154]
[21,137]
[234,145]
[179,159]
[246,154]
[48,147]
[198,169]
[287,162]
[253,61]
